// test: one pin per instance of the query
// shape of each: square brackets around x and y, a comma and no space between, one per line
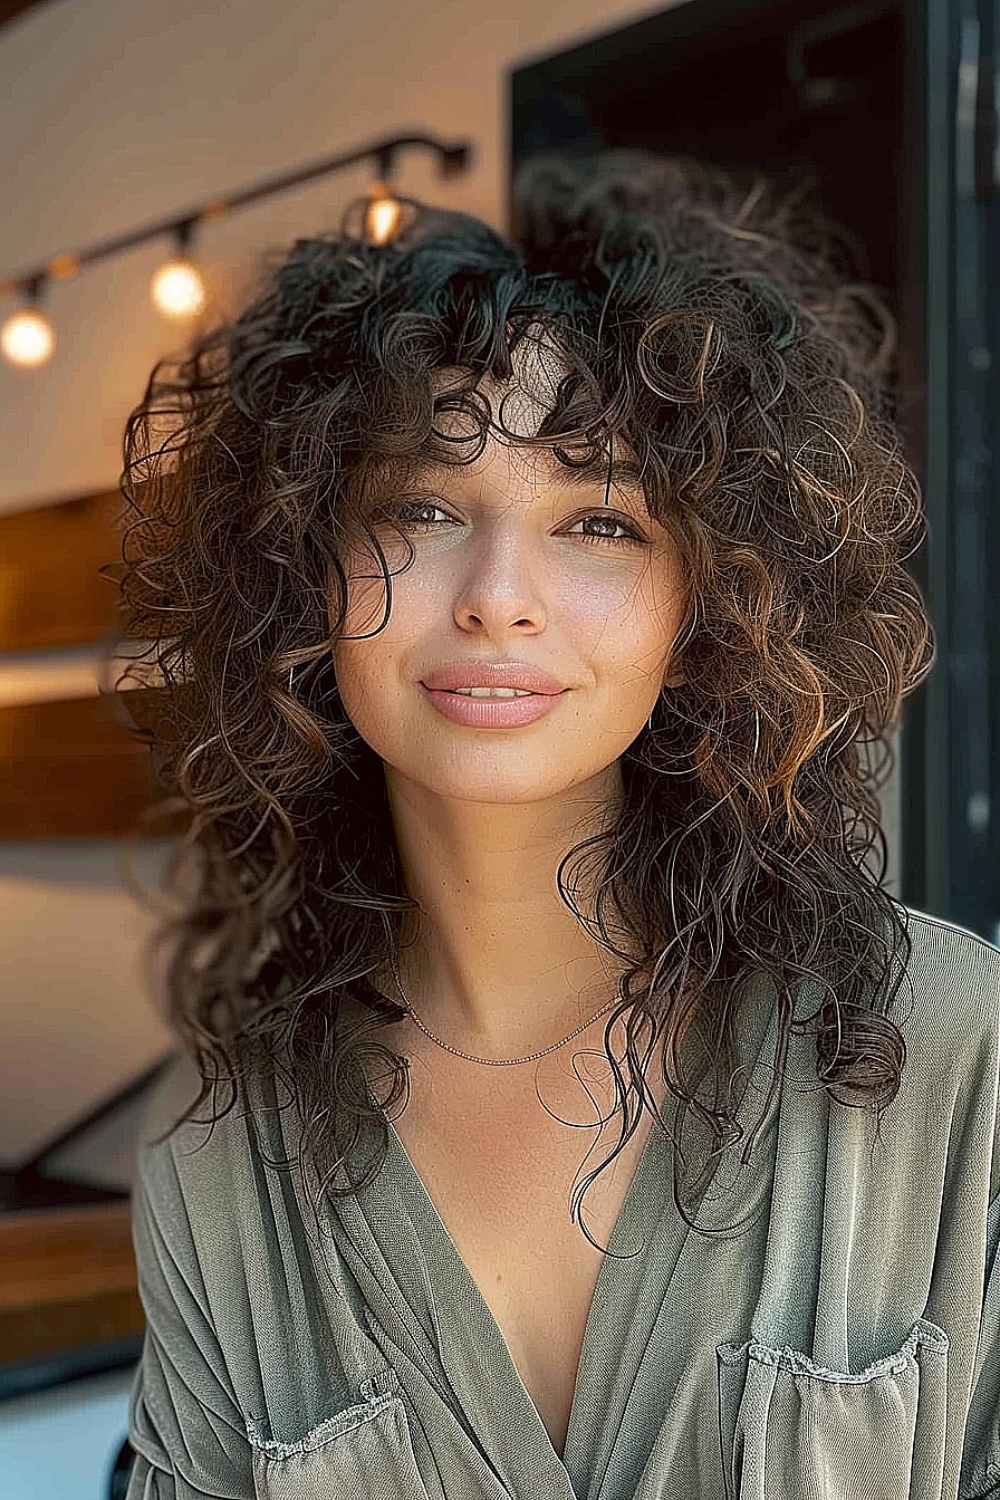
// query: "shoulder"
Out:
[948,1010]
[954,975]
[198,1171]
[949,942]
[175,1086]
[173,1091]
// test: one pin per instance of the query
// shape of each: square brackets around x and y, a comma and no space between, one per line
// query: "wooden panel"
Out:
[51,1254]
[51,593]
[76,1323]
[67,1279]
[70,769]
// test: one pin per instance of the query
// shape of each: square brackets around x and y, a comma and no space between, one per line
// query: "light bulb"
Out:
[177,288]
[382,215]
[27,339]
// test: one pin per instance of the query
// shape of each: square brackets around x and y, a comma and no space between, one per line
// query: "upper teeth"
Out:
[493,692]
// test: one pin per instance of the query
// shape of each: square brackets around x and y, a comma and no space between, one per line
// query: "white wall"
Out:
[114,114]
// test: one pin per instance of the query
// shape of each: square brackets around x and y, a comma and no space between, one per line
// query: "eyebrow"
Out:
[596,470]
[562,476]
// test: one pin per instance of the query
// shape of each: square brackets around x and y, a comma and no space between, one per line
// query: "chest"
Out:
[502,1181]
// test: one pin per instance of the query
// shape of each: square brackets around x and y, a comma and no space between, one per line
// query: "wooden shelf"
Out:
[67,1279]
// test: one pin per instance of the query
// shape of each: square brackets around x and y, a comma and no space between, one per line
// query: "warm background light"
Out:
[177,288]
[27,339]
[382,215]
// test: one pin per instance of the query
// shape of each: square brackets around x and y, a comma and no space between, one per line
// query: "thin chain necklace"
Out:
[496,1062]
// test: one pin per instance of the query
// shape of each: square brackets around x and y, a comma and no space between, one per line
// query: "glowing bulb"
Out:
[382,215]
[26,339]
[178,289]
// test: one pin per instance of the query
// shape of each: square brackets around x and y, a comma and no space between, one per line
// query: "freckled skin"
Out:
[505,571]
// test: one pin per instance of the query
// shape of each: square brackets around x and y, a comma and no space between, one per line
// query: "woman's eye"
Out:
[408,515]
[404,514]
[632,535]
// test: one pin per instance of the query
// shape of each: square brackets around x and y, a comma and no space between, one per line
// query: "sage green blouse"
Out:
[839,1339]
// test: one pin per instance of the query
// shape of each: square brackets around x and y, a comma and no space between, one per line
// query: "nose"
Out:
[502,588]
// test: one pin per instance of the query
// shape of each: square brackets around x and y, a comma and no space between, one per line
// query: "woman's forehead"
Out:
[504,463]
[517,413]
[529,395]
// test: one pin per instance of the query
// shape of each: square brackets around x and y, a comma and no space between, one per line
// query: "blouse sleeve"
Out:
[184,1421]
[980,1478]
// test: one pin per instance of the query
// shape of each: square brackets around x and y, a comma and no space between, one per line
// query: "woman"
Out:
[637,470]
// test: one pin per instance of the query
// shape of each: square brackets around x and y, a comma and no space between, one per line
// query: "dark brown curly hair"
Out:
[708,323]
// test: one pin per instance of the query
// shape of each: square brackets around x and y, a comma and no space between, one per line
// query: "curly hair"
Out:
[708,323]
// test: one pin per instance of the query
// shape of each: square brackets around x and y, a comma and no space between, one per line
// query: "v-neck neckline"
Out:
[457,1342]
[612,1267]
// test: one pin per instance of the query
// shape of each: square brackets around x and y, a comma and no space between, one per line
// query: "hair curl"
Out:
[710,324]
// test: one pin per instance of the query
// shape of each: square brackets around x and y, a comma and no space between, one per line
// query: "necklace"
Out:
[496,1062]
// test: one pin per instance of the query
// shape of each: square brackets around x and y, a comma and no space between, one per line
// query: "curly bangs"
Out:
[706,328]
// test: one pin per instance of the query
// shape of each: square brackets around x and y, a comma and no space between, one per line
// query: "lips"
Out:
[500,674]
[489,713]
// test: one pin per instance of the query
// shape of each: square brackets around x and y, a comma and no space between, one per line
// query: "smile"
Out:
[488,692]
[491,708]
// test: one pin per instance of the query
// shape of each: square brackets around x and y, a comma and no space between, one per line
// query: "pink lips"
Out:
[492,713]
[509,674]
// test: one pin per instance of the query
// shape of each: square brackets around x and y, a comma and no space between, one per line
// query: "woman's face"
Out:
[509,565]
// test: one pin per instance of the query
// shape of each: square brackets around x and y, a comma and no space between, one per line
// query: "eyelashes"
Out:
[401,516]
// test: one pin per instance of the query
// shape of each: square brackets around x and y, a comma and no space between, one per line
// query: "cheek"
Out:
[366,595]
[629,621]
[365,689]
[368,664]
[664,604]
[369,622]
